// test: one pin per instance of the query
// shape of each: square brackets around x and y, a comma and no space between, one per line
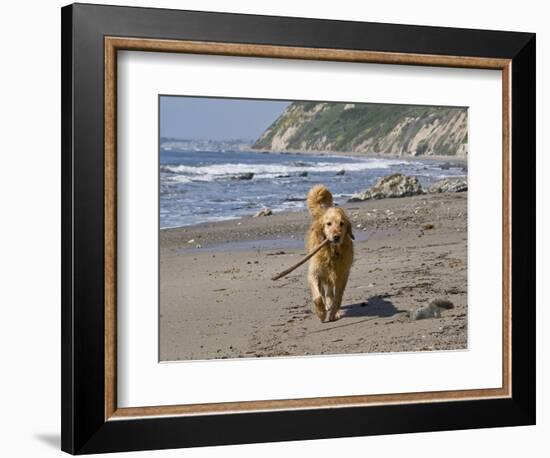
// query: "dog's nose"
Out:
[336,238]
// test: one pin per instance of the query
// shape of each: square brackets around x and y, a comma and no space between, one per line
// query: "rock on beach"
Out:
[263,212]
[396,185]
[450,185]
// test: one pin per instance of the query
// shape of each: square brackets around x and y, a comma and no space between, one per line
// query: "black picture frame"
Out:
[84,428]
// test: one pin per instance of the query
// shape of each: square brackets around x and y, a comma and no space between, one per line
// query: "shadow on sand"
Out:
[375,306]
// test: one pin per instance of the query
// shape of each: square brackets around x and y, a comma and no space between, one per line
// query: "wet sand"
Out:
[217,300]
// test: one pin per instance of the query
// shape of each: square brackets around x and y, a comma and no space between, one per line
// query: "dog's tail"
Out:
[318,199]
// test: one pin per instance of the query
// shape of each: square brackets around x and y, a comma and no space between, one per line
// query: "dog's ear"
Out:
[317,229]
[350,231]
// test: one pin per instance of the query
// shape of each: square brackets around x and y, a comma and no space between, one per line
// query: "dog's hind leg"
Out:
[318,302]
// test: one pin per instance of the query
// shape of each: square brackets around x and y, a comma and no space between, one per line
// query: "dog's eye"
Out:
[329,224]
[341,223]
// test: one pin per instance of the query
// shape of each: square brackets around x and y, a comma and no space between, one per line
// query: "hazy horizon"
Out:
[218,119]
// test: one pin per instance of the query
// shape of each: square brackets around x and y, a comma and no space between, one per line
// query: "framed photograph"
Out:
[282,228]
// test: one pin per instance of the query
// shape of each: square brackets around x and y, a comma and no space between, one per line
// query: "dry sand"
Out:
[217,299]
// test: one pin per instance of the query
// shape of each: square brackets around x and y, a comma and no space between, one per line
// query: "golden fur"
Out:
[329,269]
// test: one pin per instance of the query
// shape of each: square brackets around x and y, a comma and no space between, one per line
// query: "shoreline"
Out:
[427,170]
[289,224]
[276,213]
[217,300]
[462,160]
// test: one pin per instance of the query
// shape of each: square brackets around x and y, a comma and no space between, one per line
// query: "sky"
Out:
[202,118]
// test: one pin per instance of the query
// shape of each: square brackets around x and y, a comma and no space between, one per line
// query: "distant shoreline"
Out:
[354,154]
[439,158]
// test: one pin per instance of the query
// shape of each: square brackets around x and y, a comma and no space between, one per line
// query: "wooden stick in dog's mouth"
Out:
[299,263]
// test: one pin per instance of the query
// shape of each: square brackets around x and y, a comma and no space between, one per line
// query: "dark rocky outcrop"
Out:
[243,176]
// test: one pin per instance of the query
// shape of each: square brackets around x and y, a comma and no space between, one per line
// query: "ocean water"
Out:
[206,186]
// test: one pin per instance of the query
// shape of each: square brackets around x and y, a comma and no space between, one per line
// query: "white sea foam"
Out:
[204,219]
[186,173]
[182,179]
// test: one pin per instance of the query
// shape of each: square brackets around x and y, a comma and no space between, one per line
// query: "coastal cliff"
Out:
[369,129]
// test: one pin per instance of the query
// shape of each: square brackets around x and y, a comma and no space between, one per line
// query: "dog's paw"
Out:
[322,314]
[319,308]
[334,316]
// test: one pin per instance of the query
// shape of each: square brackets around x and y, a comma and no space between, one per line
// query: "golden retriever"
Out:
[329,269]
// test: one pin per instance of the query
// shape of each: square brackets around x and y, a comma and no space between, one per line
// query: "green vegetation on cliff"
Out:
[375,129]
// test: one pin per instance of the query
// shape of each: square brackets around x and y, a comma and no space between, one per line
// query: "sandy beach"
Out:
[217,299]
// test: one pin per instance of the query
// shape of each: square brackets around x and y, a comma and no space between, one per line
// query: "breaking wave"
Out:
[186,173]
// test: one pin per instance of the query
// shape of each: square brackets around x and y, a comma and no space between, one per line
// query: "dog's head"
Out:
[336,226]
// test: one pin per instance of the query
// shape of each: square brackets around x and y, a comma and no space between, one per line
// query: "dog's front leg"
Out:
[318,301]
[330,299]
[334,313]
